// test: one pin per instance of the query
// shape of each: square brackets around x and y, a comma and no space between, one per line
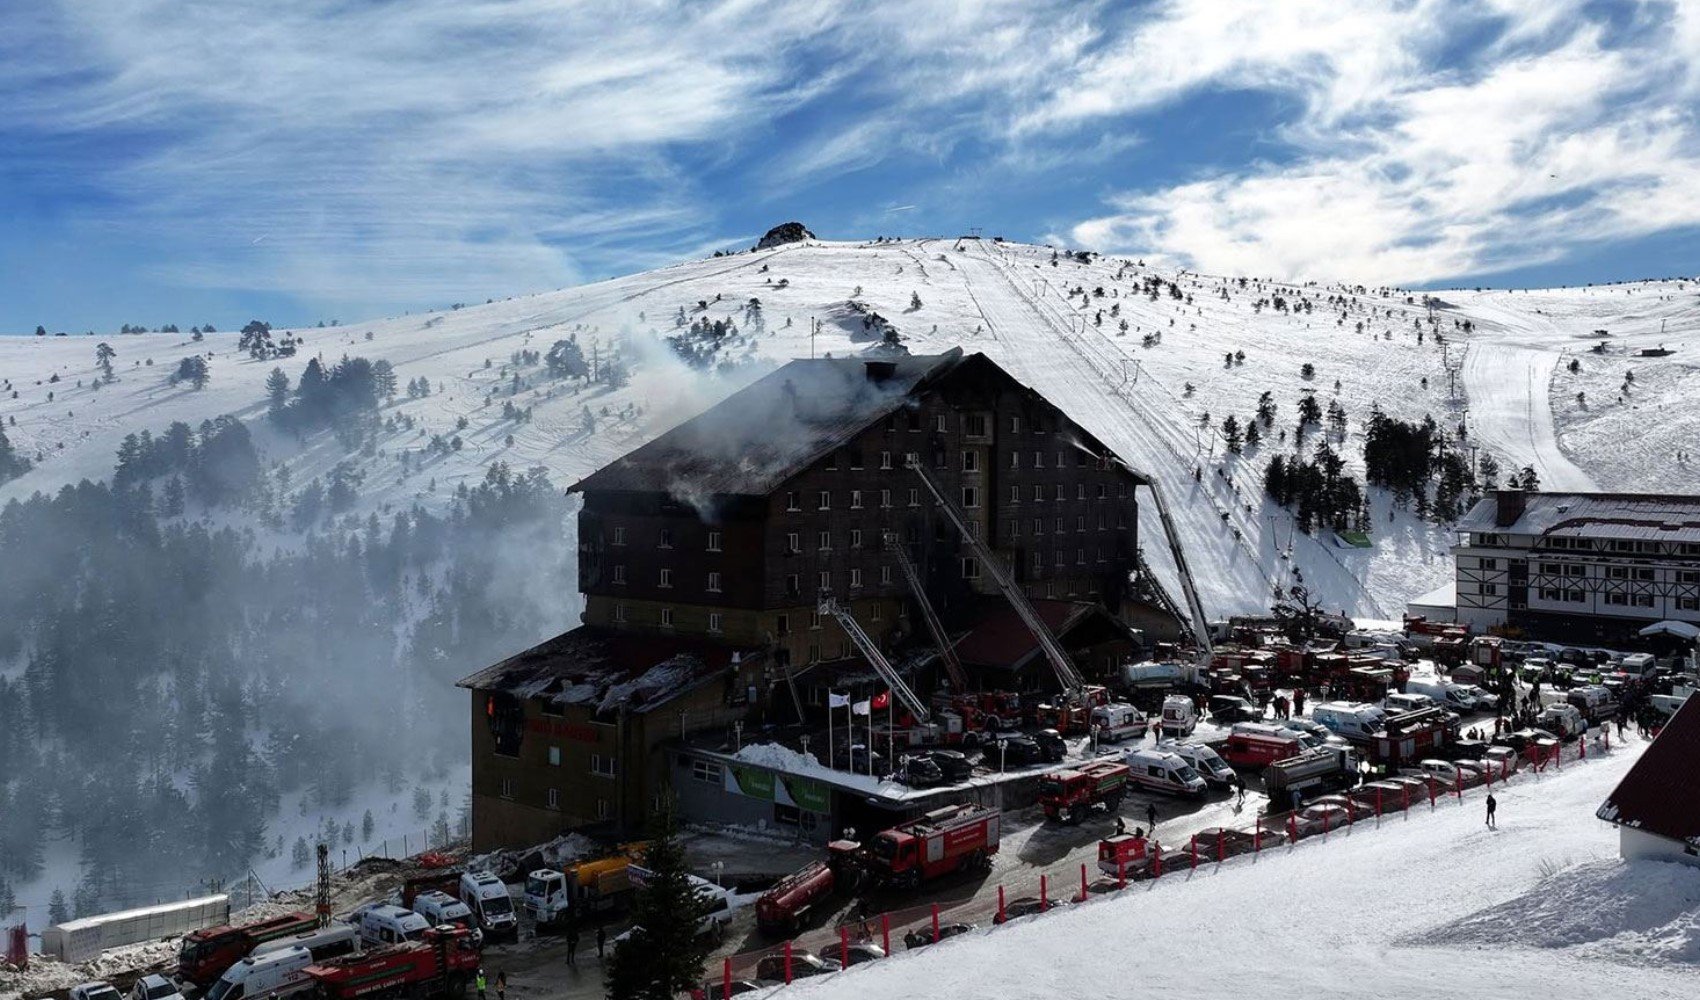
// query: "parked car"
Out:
[1523,739]
[1024,906]
[771,968]
[1232,842]
[862,951]
[919,771]
[155,987]
[954,763]
[1357,808]
[95,991]
[1015,750]
[1228,709]
[1442,771]
[1321,818]
[1051,745]
[717,989]
[922,936]
[859,754]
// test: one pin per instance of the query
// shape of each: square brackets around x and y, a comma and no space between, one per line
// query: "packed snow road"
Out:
[1511,415]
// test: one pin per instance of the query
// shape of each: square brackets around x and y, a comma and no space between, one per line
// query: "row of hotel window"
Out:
[793,582]
[552,799]
[970,458]
[1580,571]
[1570,595]
[970,496]
[1617,545]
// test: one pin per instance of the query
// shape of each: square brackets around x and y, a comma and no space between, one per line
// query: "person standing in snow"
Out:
[601,940]
[1151,816]
[1299,702]
[572,945]
[1492,807]
[480,983]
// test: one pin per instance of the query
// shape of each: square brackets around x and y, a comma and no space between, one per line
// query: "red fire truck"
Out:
[781,909]
[955,838]
[440,964]
[1257,750]
[1069,793]
[1410,736]
[205,954]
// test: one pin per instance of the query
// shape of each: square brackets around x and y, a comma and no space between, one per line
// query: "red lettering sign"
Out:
[578,732]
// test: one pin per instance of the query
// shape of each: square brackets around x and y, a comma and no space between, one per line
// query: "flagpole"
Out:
[829,749]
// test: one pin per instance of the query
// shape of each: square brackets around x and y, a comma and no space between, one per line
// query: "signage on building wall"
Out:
[787,791]
[578,732]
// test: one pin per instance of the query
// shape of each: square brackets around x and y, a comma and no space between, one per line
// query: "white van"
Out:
[1180,716]
[1356,721]
[1163,772]
[1397,703]
[1203,759]
[439,909]
[275,973]
[1118,721]
[1453,696]
[1307,740]
[386,923]
[1565,720]
[716,899]
[333,941]
[1640,664]
[490,903]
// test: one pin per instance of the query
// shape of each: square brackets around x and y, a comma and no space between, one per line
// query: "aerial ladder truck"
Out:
[1073,713]
[980,711]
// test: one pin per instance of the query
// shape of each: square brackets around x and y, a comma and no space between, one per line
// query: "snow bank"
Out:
[1634,912]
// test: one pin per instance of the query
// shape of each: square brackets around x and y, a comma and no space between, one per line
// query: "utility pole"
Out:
[322,894]
[814,328]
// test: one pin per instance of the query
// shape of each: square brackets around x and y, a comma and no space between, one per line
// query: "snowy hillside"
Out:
[1010,301]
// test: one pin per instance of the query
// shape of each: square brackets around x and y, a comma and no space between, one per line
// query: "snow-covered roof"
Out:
[1661,793]
[1622,516]
[603,668]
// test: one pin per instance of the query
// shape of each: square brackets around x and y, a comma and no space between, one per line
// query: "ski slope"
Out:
[1432,905]
[1007,300]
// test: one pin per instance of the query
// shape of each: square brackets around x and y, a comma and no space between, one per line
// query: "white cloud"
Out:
[1549,138]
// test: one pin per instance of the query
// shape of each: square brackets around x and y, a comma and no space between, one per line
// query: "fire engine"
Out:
[205,954]
[781,909]
[955,838]
[438,965]
[1069,793]
[1411,736]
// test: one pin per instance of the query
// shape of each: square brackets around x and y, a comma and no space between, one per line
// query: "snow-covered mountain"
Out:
[1150,368]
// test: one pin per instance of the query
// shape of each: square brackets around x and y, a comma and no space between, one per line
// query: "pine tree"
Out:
[57,911]
[103,355]
[1231,433]
[367,826]
[277,393]
[171,500]
[12,465]
[664,956]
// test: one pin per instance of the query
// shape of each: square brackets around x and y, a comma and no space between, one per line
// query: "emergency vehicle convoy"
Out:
[782,909]
[1069,793]
[597,885]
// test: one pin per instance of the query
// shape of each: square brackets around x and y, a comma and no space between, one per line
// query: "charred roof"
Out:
[750,443]
[602,669]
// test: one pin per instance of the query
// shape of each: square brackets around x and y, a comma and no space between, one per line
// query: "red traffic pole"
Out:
[1608,737]
[1582,746]
[844,947]
[1194,853]
[1430,785]
[1458,783]
[1001,917]
[1158,862]
[1378,803]
[1043,887]
[1407,789]
[1121,873]
[935,923]
[726,978]
[1325,824]
[1221,844]
[885,931]
[1292,830]
[788,963]
[1257,844]
[1083,882]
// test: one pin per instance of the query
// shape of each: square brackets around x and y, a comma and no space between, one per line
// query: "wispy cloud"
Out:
[380,154]
[1408,166]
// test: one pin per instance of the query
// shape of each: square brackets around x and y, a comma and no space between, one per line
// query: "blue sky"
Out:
[193,161]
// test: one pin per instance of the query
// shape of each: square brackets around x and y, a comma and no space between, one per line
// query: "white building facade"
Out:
[1578,567]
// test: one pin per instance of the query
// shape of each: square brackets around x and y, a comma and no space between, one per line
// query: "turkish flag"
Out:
[882,699]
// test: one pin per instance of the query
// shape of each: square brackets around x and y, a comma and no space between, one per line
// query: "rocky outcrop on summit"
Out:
[785,232]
